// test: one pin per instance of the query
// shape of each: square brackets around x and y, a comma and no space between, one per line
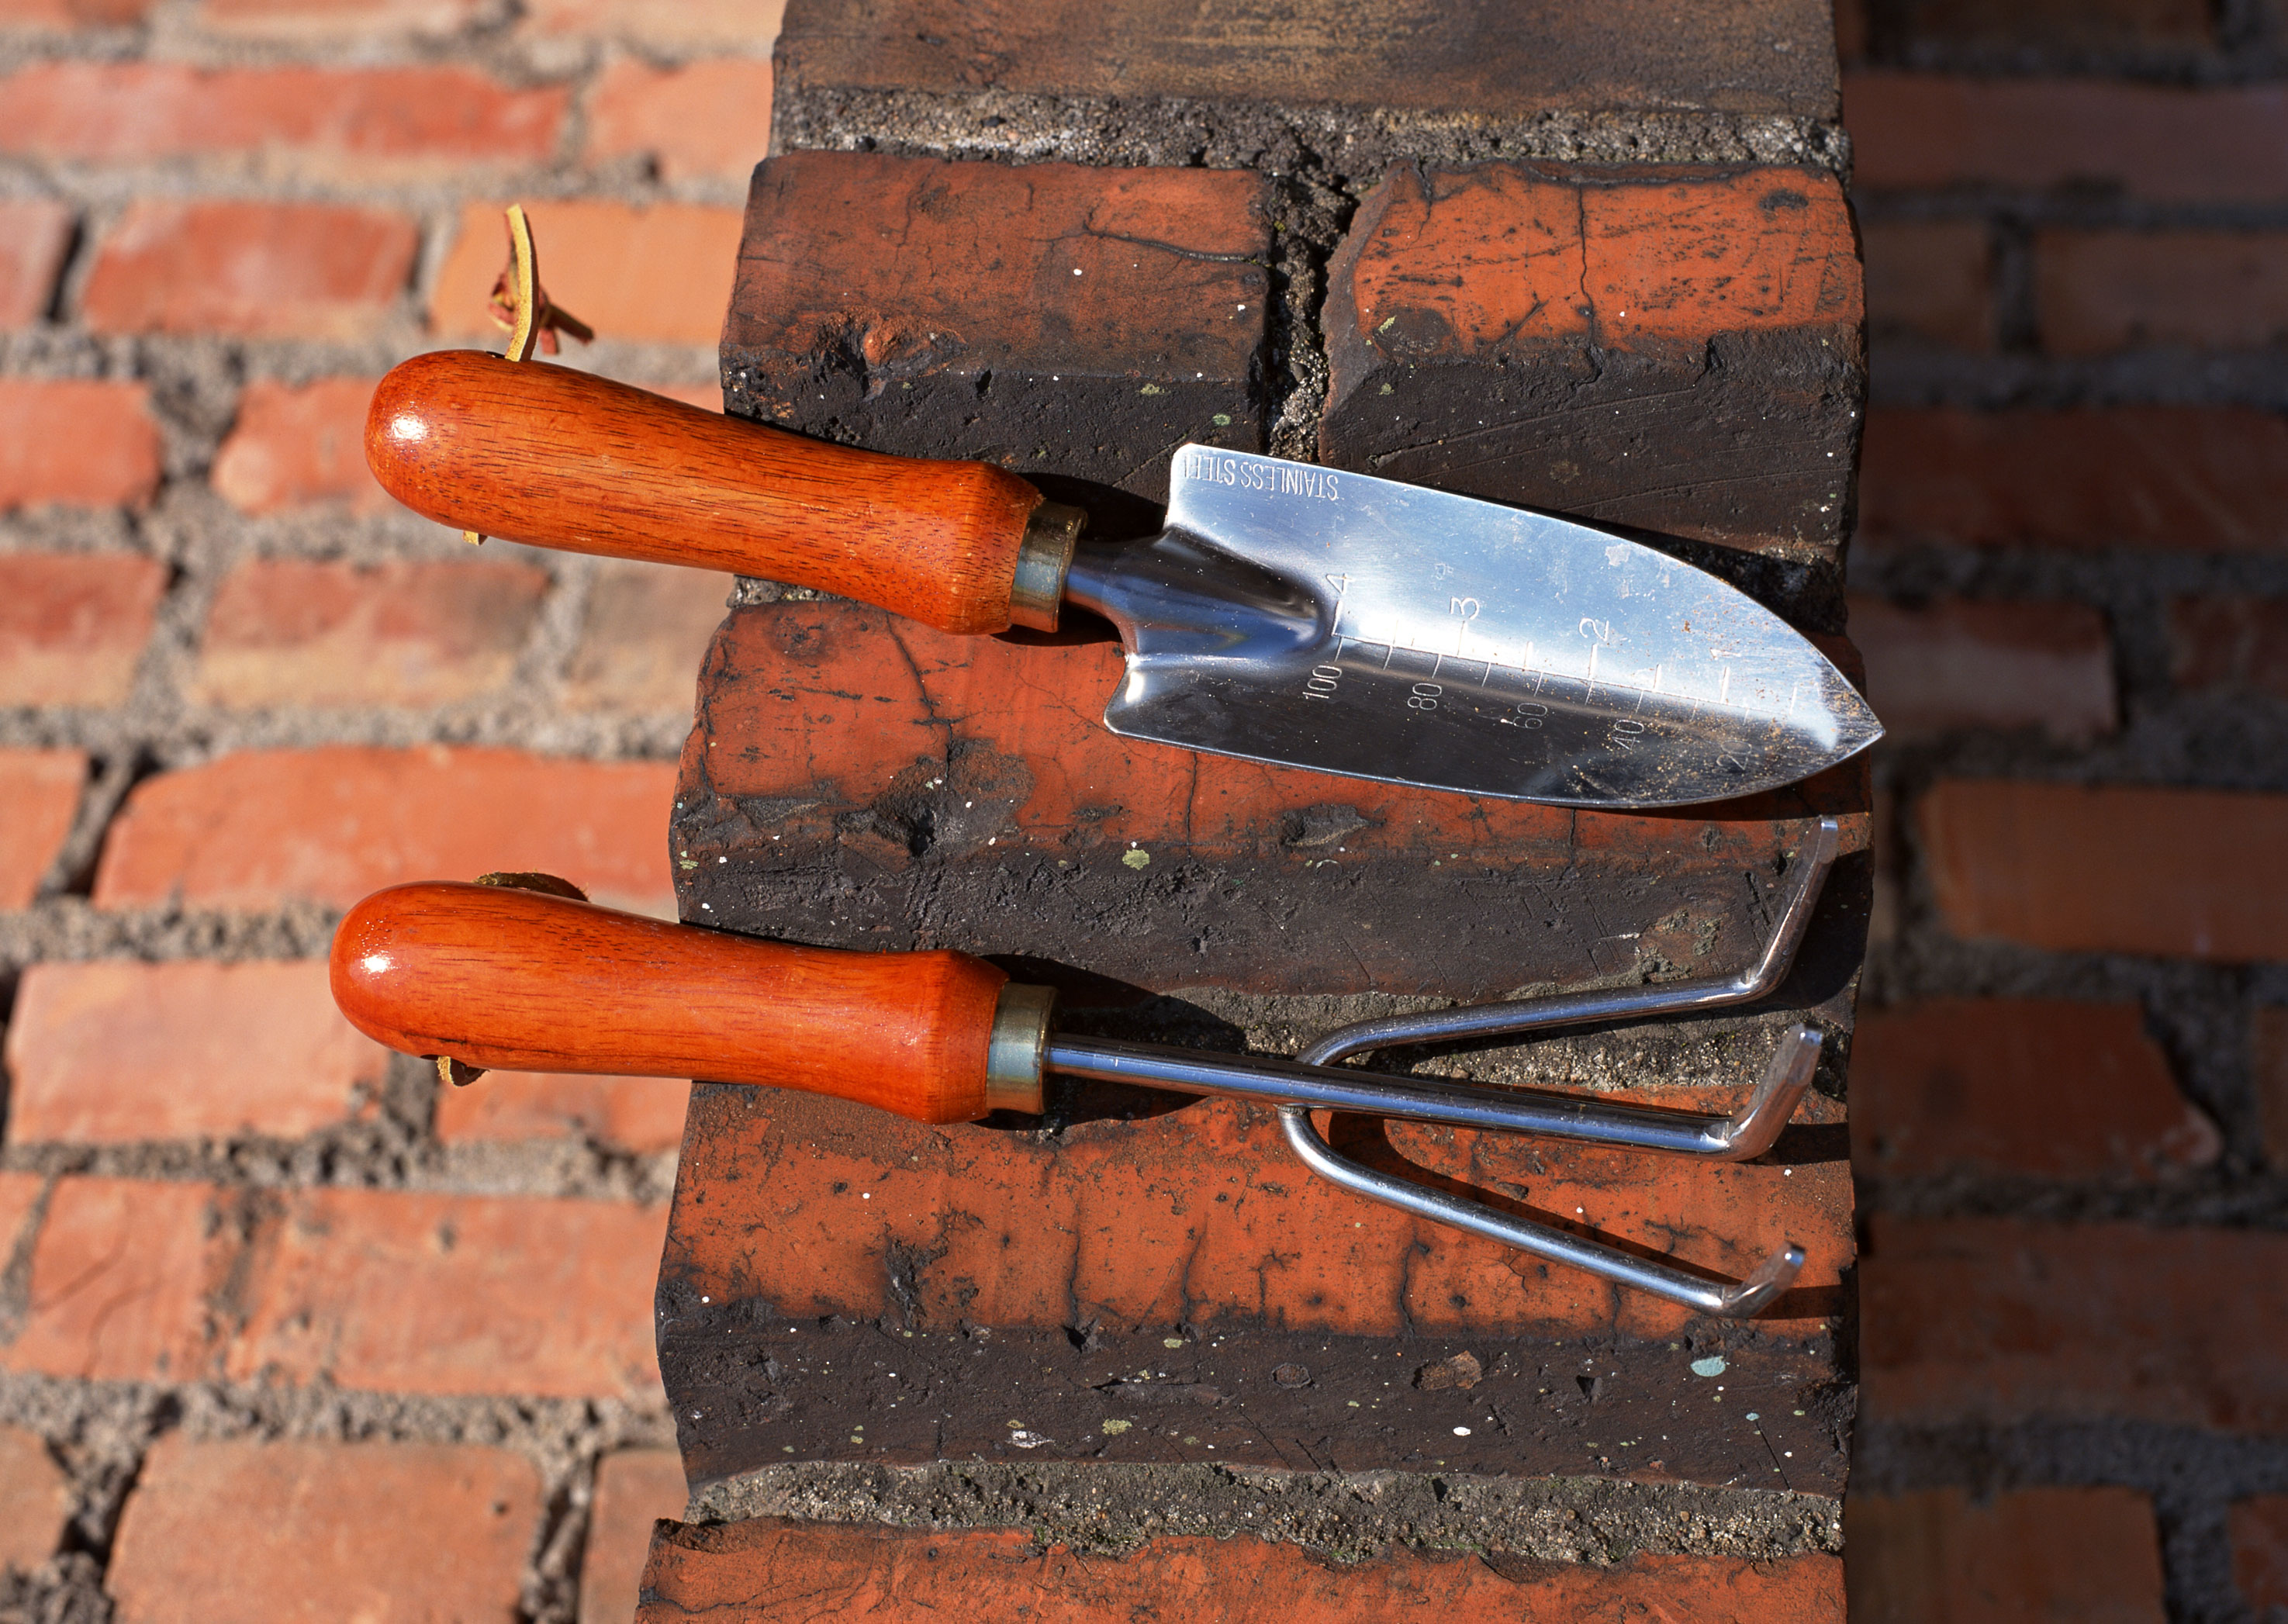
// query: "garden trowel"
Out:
[1288,613]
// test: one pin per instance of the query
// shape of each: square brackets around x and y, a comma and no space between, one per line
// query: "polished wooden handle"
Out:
[500,978]
[560,458]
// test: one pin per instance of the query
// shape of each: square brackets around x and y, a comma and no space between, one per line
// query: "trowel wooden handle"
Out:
[559,458]
[498,977]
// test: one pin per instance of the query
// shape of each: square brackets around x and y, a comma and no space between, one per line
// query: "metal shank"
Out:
[1746,1133]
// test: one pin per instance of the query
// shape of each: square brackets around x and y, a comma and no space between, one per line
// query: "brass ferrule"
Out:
[1043,557]
[1020,1043]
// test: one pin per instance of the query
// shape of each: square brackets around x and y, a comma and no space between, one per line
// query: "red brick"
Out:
[661,274]
[288,631]
[380,1290]
[78,443]
[2229,643]
[325,19]
[647,629]
[2092,1555]
[2267,1045]
[36,1500]
[34,233]
[1478,64]
[39,798]
[2003,1320]
[2216,144]
[635,1487]
[2183,872]
[393,1291]
[2259,1549]
[124,1276]
[1883,837]
[2000,665]
[710,118]
[1932,278]
[2098,292]
[73,625]
[62,14]
[2054,25]
[1851,26]
[2185,479]
[298,120]
[254,830]
[817,736]
[1543,335]
[1114,312]
[1194,1215]
[274,270]
[315,1533]
[2035,1089]
[771,1569]
[642,1114]
[115,1052]
[298,446]
[750,24]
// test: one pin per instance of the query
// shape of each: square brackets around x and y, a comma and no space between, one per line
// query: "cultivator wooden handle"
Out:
[499,977]
[564,459]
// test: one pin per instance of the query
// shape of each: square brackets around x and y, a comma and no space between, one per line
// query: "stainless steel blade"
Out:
[1321,619]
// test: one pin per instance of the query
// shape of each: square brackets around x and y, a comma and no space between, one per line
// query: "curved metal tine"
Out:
[1774,1276]
[1747,1132]
[1612,1004]
[1752,1130]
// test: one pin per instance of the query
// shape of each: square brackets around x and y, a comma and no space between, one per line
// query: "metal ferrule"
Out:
[1043,557]
[1016,1054]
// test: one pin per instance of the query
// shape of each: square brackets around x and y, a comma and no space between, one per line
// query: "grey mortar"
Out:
[1350,1517]
[1007,126]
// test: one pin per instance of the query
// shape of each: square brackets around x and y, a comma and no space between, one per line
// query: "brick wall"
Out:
[247,1259]
[2068,1088]
[282,1333]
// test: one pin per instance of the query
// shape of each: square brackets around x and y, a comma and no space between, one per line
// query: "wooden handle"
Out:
[500,978]
[560,458]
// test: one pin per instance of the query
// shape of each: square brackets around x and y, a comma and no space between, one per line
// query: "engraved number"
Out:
[1321,683]
[1424,696]
[1465,608]
[1624,734]
[1531,714]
